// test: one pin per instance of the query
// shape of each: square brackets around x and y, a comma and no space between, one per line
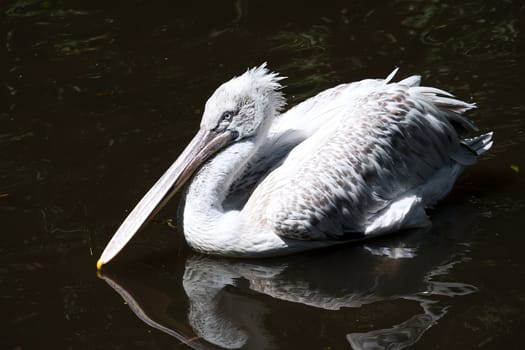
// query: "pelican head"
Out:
[242,107]
[244,104]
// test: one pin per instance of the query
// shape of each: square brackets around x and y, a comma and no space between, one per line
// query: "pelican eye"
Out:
[227,116]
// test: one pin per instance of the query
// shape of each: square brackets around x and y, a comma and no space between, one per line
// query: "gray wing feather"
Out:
[391,139]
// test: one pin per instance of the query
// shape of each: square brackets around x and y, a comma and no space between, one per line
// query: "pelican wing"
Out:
[371,147]
[287,131]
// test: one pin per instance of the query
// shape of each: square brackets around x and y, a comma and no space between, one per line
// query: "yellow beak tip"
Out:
[99,265]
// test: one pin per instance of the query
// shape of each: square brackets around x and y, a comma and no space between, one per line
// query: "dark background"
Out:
[99,97]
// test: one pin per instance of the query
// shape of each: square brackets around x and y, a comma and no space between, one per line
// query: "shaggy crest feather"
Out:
[264,81]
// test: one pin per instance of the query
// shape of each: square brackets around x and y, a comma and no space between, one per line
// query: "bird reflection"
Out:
[231,302]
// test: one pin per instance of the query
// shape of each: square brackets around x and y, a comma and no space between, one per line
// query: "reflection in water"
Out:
[225,307]
[141,313]
[401,335]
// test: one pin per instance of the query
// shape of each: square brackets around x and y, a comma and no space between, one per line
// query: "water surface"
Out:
[98,98]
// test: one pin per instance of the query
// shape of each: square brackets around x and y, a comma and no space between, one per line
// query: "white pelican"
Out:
[355,161]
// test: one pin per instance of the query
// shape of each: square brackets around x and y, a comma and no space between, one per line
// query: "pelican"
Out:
[355,161]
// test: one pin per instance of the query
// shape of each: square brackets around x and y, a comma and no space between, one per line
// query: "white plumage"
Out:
[355,161]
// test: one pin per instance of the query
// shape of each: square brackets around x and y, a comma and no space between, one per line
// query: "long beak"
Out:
[204,144]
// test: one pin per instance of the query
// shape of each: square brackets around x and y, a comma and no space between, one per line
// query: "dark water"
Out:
[98,97]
